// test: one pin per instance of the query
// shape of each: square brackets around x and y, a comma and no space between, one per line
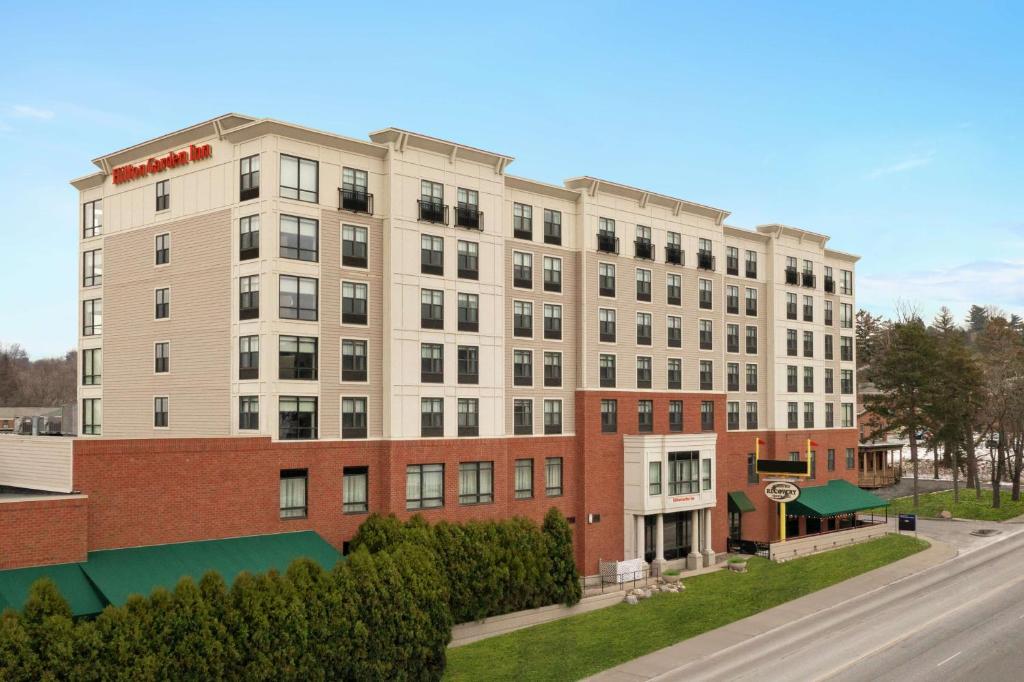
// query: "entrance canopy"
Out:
[833,499]
[739,502]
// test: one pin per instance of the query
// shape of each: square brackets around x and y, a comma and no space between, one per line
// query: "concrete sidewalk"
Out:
[695,648]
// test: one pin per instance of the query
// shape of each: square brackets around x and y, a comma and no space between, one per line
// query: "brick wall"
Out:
[48,530]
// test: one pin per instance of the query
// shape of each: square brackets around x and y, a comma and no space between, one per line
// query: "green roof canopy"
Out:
[834,498]
[739,502]
[120,573]
[81,595]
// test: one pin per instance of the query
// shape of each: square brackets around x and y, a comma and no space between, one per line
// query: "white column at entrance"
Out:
[709,553]
[693,559]
[640,542]
[659,543]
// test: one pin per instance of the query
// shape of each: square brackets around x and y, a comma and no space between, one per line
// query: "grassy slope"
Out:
[582,645]
[969,506]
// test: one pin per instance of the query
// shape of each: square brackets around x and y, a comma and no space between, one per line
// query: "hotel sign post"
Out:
[782,489]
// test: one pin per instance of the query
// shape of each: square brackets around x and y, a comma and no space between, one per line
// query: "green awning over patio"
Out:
[832,499]
[81,595]
[739,502]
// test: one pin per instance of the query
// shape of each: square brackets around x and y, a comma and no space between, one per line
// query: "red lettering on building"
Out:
[130,171]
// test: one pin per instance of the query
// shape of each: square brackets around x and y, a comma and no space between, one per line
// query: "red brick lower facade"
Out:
[147,492]
[48,530]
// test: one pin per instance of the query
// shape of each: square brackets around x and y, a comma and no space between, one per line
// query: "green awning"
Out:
[81,595]
[833,498]
[119,573]
[739,502]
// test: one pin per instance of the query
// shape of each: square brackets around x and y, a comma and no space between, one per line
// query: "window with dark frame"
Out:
[675,331]
[751,302]
[248,357]
[606,279]
[162,357]
[522,270]
[675,416]
[92,317]
[553,476]
[300,178]
[675,374]
[643,372]
[355,490]
[607,370]
[92,366]
[732,376]
[523,489]
[297,358]
[431,309]
[92,268]
[163,249]
[645,416]
[705,293]
[552,369]
[163,195]
[432,363]
[297,418]
[294,493]
[476,482]
[674,289]
[249,297]
[552,227]
[732,415]
[353,417]
[751,340]
[643,329]
[298,298]
[522,221]
[431,417]
[353,360]
[354,246]
[522,319]
[249,237]
[92,417]
[354,302]
[522,417]
[643,285]
[92,218]
[706,375]
[354,194]
[468,260]
[469,368]
[705,334]
[552,321]
[431,203]
[249,178]
[707,416]
[751,415]
[469,417]
[431,255]
[467,210]
[163,304]
[160,412]
[552,274]
[522,368]
[469,312]
[248,412]
[609,416]
[751,377]
[300,238]
[424,486]
[552,417]
[606,324]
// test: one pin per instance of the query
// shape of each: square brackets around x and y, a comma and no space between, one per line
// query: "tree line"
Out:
[46,382]
[955,389]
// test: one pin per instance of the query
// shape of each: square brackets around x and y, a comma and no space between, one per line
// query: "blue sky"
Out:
[893,127]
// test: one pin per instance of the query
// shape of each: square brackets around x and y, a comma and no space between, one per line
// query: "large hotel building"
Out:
[282,328]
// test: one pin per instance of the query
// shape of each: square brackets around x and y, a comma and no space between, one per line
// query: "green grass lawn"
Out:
[969,507]
[573,648]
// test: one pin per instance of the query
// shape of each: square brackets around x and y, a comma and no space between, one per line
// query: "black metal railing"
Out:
[643,248]
[673,254]
[705,261]
[792,276]
[830,285]
[433,211]
[600,584]
[751,547]
[607,243]
[355,200]
[809,279]
[469,216]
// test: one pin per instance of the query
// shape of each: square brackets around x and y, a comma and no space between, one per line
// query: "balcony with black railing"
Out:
[643,248]
[469,216]
[607,243]
[433,211]
[673,254]
[808,279]
[792,276]
[830,285]
[732,265]
[355,199]
[705,261]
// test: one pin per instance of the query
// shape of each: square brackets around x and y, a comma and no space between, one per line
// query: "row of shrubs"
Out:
[385,613]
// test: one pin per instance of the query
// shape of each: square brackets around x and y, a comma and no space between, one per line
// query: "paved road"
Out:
[961,620]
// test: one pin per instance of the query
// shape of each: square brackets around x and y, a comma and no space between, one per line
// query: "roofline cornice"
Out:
[270,126]
[214,126]
[529,185]
[400,139]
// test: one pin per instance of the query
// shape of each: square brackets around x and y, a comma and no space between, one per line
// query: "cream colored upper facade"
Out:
[203,330]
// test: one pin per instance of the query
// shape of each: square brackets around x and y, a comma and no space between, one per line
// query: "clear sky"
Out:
[893,127]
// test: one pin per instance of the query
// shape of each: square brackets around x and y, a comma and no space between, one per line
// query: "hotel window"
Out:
[643,329]
[92,366]
[355,489]
[248,412]
[468,312]
[552,417]
[92,417]
[522,417]
[704,292]
[705,474]
[522,318]
[606,227]
[92,218]
[299,178]
[674,289]
[847,415]
[468,417]
[294,483]
[751,265]
[674,249]
[808,380]
[353,417]
[249,237]
[675,374]
[353,302]
[751,340]
[675,331]
[829,380]
[353,360]
[846,348]
[607,370]
[162,357]
[431,417]
[552,369]
[732,415]
[830,415]
[249,178]
[830,460]
[675,416]
[751,299]
[476,482]
[163,195]
[432,208]
[808,309]
[431,363]
[522,368]
[846,316]
[654,478]
[645,416]
[643,285]
[468,260]
[846,286]
[707,416]
[643,372]
[751,377]
[732,300]
[609,416]
[792,415]
[849,458]
[522,221]
[354,246]
[791,342]
[431,255]
[752,476]
[706,376]
[431,309]
[524,479]
[522,270]
[92,268]
[354,195]
[829,348]
[790,306]
[552,274]
[163,304]
[469,368]
[297,298]
[683,473]
[424,486]
[642,247]
[828,313]
[552,227]
[553,476]
[248,357]
[732,376]
[791,378]
[606,324]
[732,338]
[249,297]
[297,358]
[846,381]
[606,279]
[163,249]
[300,238]
[732,260]
[751,415]
[808,415]
[160,408]
[467,209]
[552,321]
[704,258]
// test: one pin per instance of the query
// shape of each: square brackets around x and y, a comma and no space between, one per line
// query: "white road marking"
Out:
[948,659]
